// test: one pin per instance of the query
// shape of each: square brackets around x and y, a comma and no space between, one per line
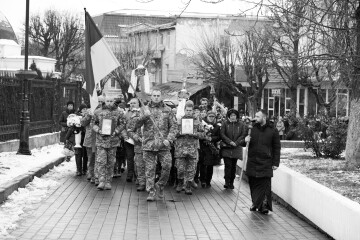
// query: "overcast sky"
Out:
[14,10]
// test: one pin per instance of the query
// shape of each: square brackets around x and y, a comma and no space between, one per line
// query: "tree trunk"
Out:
[252,106]
[352,152]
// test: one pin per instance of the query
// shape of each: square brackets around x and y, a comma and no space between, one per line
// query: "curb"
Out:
[7,188]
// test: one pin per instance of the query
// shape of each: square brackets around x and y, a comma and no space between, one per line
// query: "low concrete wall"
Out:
[333,213]
[34,142]
[292,144]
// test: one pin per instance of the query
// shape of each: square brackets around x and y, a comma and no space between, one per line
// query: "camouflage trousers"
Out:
[186,167]
[105,162]
[91,161]
[150,158]
[140,168]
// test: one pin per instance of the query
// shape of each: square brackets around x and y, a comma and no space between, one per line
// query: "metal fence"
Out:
[46,102]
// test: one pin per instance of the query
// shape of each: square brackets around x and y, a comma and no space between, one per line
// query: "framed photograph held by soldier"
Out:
[187,126]
[107,127]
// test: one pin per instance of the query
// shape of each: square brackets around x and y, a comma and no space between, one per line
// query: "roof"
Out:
[170,90]
[145,27]
[108,23]
[6,30]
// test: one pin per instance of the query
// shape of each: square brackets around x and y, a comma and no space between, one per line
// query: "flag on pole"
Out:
[99,59]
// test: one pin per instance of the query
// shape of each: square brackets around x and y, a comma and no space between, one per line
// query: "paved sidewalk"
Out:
[76,210]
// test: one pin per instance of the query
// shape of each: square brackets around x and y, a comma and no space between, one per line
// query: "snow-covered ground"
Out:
[13,165]
[21,203]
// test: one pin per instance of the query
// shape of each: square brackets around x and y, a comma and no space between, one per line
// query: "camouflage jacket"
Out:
[166,123]
[189,144]
[134,134]
[119,121]
[90,137]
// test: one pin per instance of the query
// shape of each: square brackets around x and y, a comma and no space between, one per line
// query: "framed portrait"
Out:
[107,127]
[187,126]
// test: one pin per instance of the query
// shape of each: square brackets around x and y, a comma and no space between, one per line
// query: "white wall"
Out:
[335,214]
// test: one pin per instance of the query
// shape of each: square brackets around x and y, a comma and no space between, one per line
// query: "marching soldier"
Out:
[108,117]
[159,128]
[136,136]
[186,149]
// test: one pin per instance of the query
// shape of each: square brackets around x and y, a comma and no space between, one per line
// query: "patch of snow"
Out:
[13,165]
[21,203]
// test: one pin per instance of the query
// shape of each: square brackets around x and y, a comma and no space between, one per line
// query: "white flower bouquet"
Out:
[74,120]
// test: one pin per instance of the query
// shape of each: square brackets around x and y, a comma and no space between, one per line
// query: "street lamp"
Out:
[25,76]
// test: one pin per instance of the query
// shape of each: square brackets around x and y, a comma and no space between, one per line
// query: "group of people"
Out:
[159,148]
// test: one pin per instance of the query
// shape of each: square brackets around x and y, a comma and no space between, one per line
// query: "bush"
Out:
[335,142]
[307,131]
[324,136]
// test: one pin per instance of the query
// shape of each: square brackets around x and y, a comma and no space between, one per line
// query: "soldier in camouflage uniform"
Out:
[186,150]
[159,128]
[106,144]
[89,143]
[134,115]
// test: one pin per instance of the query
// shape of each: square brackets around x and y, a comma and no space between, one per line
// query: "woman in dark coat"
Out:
[209,154]
[233,133]
[70,108]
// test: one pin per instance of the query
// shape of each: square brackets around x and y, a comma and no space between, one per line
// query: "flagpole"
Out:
[96,37]
[242,170]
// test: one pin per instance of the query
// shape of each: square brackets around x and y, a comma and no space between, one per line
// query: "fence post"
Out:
[56,103]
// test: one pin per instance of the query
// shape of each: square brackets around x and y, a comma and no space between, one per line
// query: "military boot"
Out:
[151,196]
[179,185]
[159,190]
[188,188]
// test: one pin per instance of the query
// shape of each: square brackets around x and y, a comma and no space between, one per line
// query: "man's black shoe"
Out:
[264,210]
[252,208]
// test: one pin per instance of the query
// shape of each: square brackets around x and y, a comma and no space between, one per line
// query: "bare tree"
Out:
[58,35]
[254,57]
[218,67]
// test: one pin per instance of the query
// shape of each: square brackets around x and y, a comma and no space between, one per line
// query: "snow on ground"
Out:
[21,203]
[13,165]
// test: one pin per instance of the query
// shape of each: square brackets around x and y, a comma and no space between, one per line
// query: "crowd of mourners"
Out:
[150,143]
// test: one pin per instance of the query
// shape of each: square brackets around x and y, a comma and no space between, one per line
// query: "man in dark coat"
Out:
[233,133]
[70,108]
[263,158]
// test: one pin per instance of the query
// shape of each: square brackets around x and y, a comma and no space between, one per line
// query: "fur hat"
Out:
[233,111]
[82,106]
[70,102]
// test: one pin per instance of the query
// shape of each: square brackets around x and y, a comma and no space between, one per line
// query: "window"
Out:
[113,83]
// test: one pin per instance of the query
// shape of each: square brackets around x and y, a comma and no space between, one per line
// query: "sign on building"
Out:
[276,92]
[236,103]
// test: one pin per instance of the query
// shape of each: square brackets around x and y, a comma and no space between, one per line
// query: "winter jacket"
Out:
[232,132]
[188,145]
[134,134]
[209,153]
[63,123]
[90,137]
[164,120]
[118,120]
[63,117]
[264,151]
[280,127]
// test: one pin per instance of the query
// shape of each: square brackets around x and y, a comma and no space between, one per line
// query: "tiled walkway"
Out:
[76,210]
